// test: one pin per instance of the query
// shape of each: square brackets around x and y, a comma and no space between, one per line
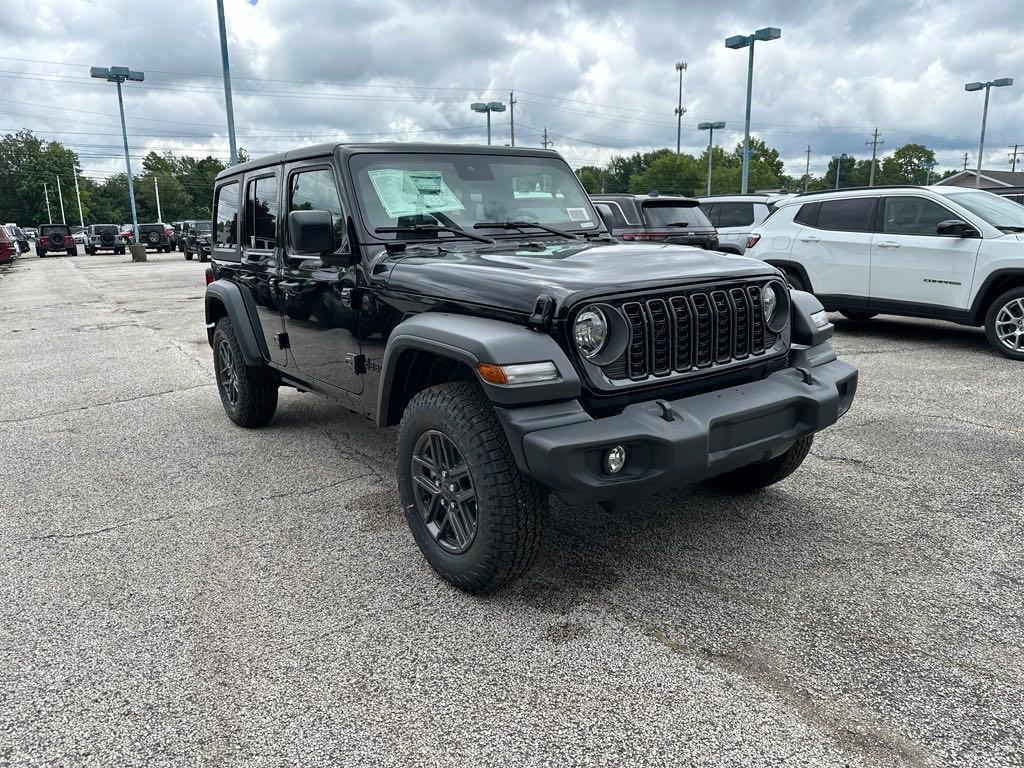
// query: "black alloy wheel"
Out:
[443,492]
[227,379]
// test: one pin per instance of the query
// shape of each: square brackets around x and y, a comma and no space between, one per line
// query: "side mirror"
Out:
[607,217]
[955,228]
[311,232]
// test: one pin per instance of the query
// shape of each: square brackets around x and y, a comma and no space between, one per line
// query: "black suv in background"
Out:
[156,235]
[195,240]
[55,237]
[658,218]
[103,237]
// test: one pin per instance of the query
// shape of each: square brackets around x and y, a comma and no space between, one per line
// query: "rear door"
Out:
[261,253]
[911,262]
[834,246]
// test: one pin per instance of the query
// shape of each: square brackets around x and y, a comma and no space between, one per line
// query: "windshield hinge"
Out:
[543,313]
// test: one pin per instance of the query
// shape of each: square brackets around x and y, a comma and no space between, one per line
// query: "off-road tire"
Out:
[90,251]
[256,386]
[203,258]
[73,251]
[858,317]
[40,253]
[119,251]
[188,255]
[990,322]
[512,509]
[753,477]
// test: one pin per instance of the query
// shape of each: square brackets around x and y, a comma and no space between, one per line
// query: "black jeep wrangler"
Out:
[157,235]
[55,237]
[103,237]
[195,239]
[472,296]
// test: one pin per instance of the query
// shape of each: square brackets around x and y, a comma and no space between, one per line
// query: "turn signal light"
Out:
[519,373]
[209,275]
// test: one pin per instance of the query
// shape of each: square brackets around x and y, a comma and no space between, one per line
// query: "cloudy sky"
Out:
[599,75]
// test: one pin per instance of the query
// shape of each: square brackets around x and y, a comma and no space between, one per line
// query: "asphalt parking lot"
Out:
[175,590]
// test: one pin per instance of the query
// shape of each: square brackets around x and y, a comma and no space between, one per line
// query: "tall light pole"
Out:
[1002,81]
[49,216]
[60,196]
[119,75]
[156,190]
[227,81]
[81,218]
[839,165]
[488,107]
[680,111]
[710,128]
[747,41]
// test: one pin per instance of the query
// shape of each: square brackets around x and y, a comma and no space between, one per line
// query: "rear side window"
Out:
[808,214]
[851,215]
[226,216]
[736,215]
[711,211]
[669,214]
[316,190]
[262,213]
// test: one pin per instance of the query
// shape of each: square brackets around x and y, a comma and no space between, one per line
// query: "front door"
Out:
[911,262]
[322,309]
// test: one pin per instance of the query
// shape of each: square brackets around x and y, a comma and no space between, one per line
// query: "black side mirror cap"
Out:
[311,232]
[607,217]
[955,228]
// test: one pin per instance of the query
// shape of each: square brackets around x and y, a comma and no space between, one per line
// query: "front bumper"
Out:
[708,434]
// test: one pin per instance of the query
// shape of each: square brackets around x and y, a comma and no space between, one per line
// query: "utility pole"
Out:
[874,142]
[227,81]
[807,170]
[512,117]
[49,216]
[81,218]
[60,195]
[680,111]
[1013,157]
[545,142]
[156,187]
[965,161]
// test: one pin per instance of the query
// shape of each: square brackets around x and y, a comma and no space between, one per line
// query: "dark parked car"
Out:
[156,235]
[195,239]
[53,238]
[659,218]
[103,237]
[472,297]
[19,237]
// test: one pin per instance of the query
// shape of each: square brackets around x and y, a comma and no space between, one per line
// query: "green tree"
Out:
[669,174]
[26,164]
[591,177]
[906,165]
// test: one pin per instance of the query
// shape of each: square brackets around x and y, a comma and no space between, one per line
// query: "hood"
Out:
[511,276]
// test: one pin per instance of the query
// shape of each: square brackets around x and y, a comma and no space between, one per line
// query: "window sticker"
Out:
[407,193]
[578,214]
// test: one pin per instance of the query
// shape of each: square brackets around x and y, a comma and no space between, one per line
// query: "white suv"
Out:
[735,216]
[941,252]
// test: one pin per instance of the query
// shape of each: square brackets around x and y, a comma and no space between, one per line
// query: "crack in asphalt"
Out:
[101,405]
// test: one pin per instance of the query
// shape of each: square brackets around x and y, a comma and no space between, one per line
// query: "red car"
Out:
[8,247]
[55,237]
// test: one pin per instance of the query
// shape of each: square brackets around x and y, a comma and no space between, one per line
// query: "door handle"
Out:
[810,239]
[887,244]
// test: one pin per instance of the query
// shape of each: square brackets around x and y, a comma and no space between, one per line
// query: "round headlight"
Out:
[775,304]
[590,331]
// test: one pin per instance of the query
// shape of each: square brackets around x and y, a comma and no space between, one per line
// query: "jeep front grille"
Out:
[684,332]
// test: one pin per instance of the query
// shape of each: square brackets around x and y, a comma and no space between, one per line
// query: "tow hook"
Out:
[806,376]
[666,410]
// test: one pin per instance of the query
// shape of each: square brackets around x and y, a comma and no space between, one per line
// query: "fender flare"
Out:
[242,317]
[978,308]
[793,266]
[472,340]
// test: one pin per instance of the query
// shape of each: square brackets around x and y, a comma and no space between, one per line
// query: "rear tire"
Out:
[203,258]
[494,532]
[753,477]
[1006,316]
[73,251]
[248,394]
[858,317]
[188,256]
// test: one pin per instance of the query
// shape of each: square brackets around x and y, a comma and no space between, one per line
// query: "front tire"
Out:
[477,519]
[248,394]
[753,477]
[1004,324]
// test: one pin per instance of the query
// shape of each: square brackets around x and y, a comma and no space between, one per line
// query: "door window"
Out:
[226,215]
[913,216]
[736,215]
[263,211]
[316,191]
[850,215]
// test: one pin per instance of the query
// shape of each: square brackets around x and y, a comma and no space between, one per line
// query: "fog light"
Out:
[615,460]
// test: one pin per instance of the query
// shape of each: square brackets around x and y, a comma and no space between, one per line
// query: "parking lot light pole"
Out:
[118,75]
[46,192]
[487,108]
[710,128]
[839,165]
[60,196]
[747,41]
[998,83]
[81,218]
[680,111]
[227,82]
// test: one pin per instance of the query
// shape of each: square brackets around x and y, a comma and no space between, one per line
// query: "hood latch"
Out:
[543,313]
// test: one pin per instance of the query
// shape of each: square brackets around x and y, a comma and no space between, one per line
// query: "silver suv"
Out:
[735,216]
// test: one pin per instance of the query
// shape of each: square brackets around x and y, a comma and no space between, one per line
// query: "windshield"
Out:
[666,214]
[997,211]
[460,191]
[204,226]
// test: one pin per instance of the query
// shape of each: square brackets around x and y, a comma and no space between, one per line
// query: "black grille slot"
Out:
[741,315]
[703,324]
[684,331]
[661,337]
[637,353]
[723,326]
[757,340]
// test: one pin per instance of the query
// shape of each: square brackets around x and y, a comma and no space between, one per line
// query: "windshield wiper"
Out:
[520,224]
[434,228]
[1009,228]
